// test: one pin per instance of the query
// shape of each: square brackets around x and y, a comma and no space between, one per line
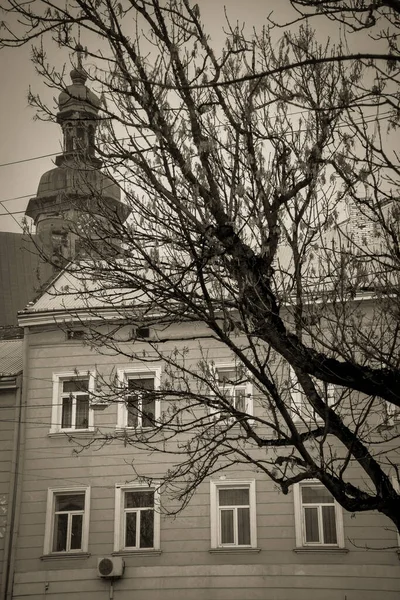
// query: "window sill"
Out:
[127,429]
[72,433]
[65,556]
[320,550]
[236,550]
[140,552]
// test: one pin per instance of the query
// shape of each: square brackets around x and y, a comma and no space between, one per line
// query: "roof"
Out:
[10,357]
[18,275]
[77,290]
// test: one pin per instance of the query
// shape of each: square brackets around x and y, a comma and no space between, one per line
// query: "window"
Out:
[301,409]
[140,408]
[235,387]
[396,485]
[233,514]
[75,334]
[71,402]
[392,414]
[318,516]
[137,518]
[67,520]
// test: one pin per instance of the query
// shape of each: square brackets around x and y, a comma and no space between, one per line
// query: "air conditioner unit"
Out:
[110,567]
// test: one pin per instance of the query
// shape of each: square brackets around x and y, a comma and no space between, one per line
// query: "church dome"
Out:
[72,180]
[77,97]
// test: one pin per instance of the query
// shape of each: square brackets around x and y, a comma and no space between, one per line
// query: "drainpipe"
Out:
[17,475]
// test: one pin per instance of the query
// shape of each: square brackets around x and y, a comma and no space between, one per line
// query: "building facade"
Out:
[83,501]
[89,518]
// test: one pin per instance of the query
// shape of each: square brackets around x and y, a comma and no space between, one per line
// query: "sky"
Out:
[23,138]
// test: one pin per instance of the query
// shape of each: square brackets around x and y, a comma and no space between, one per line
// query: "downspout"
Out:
[17,475]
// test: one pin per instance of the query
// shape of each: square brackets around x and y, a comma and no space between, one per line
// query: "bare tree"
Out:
[264,220]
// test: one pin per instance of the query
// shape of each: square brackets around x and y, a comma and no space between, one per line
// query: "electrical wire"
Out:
[368,119]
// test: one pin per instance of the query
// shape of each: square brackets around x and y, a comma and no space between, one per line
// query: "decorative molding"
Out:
[152,552]
[65,556]
[320,550]
[236,550]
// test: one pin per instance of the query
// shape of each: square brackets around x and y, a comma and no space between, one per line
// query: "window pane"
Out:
[66,419]
[130,529]
[139,499]
[141,384]
[240,399]
[243,526]
[227,376]
[82,412]
[329,524]
[234,497]
[227,527]
[132,406]
[311,523]
[146,528]
[76,532]
[149,412]
[60,533]
[69,502]
[315,494]
[76,385]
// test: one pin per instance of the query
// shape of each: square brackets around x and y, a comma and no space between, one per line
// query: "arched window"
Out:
[91,139]
[79,139]
[68,137]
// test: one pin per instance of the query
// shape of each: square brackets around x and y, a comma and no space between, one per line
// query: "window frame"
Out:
[299,403]
[248,390]
[215,486]
[56,416]
[392,414]
[396,485]
[52,493]
[119,518]
[300,518]
[123,376]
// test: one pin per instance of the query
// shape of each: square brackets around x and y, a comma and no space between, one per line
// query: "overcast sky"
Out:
[21,137]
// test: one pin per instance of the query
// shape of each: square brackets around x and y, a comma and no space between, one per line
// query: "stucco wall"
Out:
[185,568]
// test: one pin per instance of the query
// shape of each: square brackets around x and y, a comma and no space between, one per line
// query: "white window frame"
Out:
[215,486]
[215,367]
[396,486]
[119,521]
[392,413]
[302,411]
[56,414]
[300,518]
[52,493]
[134,373]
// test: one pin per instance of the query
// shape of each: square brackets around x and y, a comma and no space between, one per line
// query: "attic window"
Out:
[142,332]
[75,334]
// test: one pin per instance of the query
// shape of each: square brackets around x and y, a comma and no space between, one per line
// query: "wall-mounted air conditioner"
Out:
[110,567]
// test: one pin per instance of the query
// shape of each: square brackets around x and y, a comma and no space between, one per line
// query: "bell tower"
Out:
[76,187]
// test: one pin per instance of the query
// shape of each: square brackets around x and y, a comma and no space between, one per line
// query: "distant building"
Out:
[11,443]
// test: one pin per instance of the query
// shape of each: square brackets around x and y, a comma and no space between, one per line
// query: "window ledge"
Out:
[72,433]
[139,552]
[321,550]
[120,429]
[236,550]
[65,556]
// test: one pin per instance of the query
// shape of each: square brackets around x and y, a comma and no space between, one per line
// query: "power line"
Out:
[24,160]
